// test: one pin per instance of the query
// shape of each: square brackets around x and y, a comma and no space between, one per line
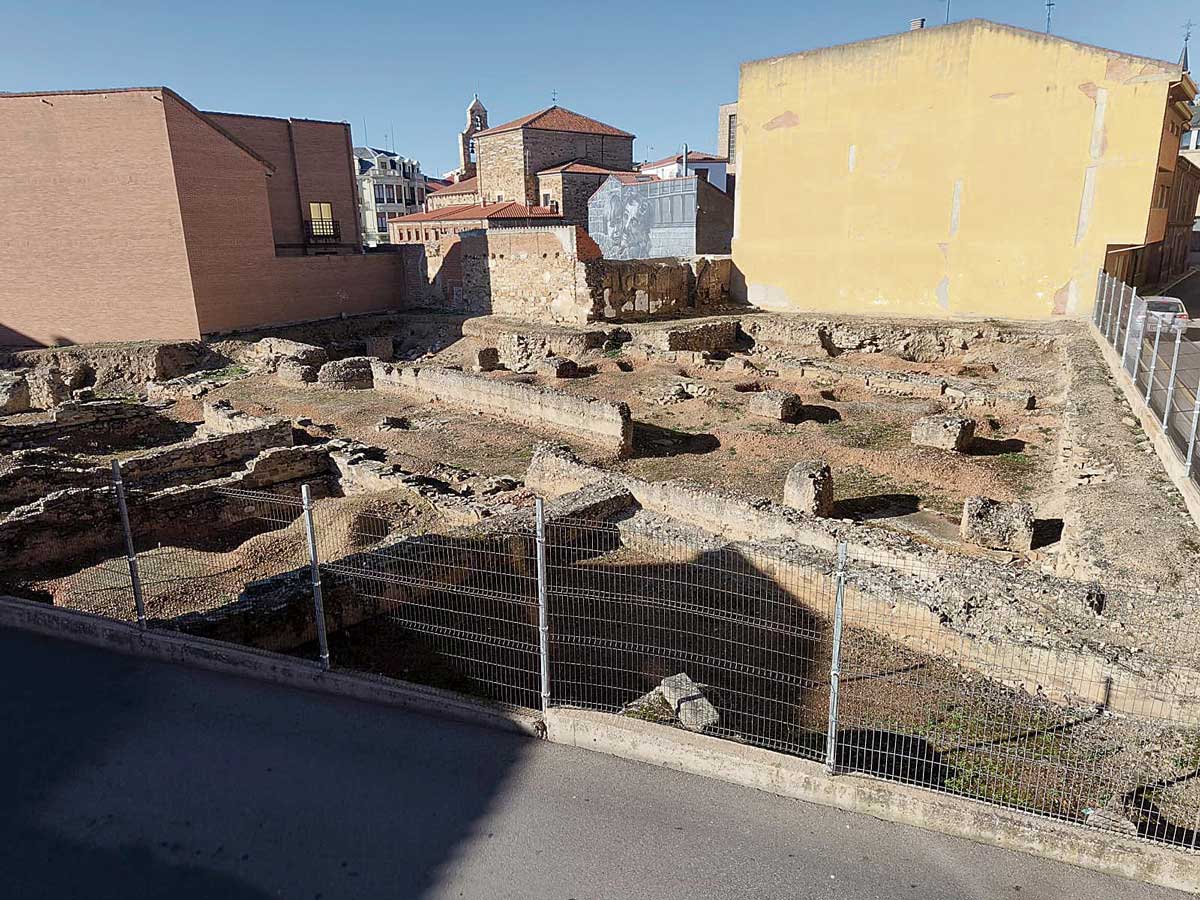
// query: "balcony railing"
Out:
[322,231]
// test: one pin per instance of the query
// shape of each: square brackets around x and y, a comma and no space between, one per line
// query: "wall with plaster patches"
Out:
[969,170]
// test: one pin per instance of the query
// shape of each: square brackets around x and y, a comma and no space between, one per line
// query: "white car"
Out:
[1171,312]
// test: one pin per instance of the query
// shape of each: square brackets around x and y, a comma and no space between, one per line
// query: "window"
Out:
[732,144]
[702,174]
[391,193]
[1187,142]
[317,211]
[381,221]
[379,194]
[499,197]
[546,200]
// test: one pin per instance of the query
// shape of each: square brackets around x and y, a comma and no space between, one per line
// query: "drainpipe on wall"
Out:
[685,161]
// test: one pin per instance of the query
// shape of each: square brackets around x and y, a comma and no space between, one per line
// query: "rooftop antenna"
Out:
[1049,13]
[1187,36]
[554,97]
[366,143]
[947,2]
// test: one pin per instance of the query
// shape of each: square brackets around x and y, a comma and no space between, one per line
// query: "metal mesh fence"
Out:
[442,610]
[869,663]
[1157,355]
[676,630]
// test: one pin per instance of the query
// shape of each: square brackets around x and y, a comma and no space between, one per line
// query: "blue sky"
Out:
[658,70]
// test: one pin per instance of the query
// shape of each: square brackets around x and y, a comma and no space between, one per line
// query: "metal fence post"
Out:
[1097,301]
[1195,422]
[1114,294]
[1128,328]
[315,570]
[1171,381]
[135,577]
[835,665]
[1153,360]
[543,612]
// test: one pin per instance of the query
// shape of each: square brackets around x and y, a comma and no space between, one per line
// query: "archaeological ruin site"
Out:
[1016,615]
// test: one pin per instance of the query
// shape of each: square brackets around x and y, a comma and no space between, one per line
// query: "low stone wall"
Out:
[600,422]
[78,523]
[521,347]
[916,340]
[103,417]
[133,363]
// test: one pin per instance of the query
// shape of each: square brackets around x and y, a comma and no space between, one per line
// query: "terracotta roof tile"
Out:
[466,186]
[578,167]
[506,209]
[557,118]
[693,156]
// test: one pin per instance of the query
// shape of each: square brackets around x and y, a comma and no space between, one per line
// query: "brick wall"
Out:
[239,281]
[313,164]
[91,240]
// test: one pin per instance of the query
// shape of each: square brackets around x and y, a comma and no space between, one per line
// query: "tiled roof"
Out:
[578,167]
[506,209]
[466,186]
[634,177]
[557,118]
[693,156]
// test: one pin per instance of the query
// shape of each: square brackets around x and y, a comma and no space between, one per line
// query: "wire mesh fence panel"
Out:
[705,635]
[452,612]
[1063,727]
[68,547]
[226,564]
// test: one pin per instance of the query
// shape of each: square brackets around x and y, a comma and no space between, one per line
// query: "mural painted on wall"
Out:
[645,219]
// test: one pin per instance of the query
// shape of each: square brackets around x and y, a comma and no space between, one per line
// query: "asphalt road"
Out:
[131,779]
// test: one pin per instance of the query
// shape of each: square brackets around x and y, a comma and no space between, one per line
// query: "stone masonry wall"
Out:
[599,422]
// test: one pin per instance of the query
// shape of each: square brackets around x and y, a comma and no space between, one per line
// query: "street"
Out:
[130,778]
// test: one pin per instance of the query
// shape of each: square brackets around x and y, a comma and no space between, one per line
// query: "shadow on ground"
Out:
[136,779]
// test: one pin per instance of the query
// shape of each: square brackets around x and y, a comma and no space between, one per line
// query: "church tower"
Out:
[477,120]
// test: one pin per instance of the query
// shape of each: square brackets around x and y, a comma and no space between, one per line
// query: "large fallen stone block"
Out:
[996,524]
[809,488]
[690,706]
[944,432]
[485,359]
[14,394]
[381,346]
[294,372]
[350,374]
[47,388]
[779,405]
[557,367]
[272,351]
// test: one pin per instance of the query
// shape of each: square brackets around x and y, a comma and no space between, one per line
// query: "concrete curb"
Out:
[1163,447]
[275,668]
[646,742]
[800,779]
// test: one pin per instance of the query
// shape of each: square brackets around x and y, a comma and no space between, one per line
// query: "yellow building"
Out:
[973,169]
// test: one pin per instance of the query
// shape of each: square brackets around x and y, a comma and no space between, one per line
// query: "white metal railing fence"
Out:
[1160,360]
[835,659]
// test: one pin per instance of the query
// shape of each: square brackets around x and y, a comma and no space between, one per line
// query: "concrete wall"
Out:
[600,422]
[91,221]
[971,169]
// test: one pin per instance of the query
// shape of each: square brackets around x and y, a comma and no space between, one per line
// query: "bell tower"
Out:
[477,120]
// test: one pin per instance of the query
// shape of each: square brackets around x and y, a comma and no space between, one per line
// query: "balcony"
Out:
[322,231]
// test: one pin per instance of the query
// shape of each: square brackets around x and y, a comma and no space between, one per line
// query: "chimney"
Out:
[916,24]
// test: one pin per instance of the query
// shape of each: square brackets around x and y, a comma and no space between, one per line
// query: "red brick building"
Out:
[131,215]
